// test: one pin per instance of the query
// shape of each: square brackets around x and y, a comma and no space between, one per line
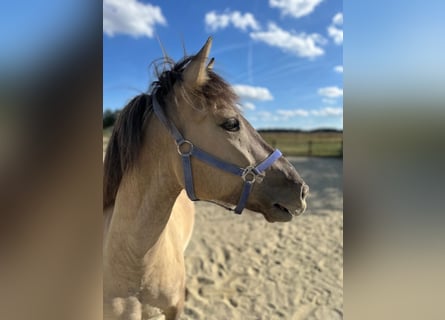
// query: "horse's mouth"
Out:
[281,213]
[282,208]
[278,213]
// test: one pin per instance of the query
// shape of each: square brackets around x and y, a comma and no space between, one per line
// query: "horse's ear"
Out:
[211,63]
[195,74]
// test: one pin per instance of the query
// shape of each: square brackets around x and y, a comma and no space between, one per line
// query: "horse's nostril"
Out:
[304,191]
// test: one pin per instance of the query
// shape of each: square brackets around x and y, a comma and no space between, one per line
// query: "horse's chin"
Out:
[277,214]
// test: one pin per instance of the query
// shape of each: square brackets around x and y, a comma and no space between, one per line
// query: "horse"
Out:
[182,141]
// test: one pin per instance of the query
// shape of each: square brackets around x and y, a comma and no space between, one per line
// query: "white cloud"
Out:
[302,44]
[248,106]
[293,113]
[338,69]
[131,17]
[329,101]
[215,21]
[328,111]
[295,8]
[253,93]
[338,19]
[334,32]
[331,92]
[264,114]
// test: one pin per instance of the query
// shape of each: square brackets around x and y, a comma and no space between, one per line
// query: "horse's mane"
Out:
[127,137]
[125,141]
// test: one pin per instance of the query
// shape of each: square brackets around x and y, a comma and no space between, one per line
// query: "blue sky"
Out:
[283,57]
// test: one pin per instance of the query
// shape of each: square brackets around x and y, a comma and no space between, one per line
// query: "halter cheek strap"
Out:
[187,149]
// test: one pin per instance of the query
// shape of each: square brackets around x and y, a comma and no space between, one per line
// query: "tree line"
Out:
[109,118]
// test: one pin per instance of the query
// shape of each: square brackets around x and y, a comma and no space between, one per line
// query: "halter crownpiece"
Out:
[187,149]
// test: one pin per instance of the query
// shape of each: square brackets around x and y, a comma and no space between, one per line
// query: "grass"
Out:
[107,132]
[292,143]
[318,144]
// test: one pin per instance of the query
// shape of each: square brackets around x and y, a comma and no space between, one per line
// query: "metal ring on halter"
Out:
[180,144]
[249,172]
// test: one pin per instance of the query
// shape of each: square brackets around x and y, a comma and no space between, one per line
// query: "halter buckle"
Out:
[182,152]
[249,175]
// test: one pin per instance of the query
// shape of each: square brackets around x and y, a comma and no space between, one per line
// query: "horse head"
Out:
[213,139]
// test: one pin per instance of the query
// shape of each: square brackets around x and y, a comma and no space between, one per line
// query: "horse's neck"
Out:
[143,209]
[140,217]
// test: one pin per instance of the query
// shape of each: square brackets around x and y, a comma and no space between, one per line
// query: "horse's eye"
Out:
[231,124]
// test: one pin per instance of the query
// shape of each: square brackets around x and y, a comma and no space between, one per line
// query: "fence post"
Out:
[309,148]
[341,150]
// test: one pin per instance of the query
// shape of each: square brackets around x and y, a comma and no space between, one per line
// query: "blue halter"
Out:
[248,175]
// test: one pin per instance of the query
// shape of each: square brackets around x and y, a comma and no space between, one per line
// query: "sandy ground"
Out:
[242,267]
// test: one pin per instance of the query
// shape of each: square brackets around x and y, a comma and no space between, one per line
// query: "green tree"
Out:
[109,118]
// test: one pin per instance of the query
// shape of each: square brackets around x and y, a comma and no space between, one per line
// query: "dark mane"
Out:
[124,145]
[127,136]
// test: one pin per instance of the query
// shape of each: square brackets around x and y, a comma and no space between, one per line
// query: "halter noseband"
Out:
[249,174]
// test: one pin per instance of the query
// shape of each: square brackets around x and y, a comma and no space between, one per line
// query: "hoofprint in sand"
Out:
[242,267]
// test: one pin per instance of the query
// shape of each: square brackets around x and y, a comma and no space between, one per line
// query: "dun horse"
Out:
[186,134]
